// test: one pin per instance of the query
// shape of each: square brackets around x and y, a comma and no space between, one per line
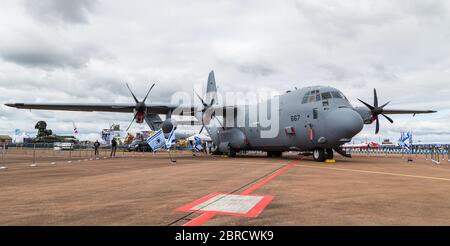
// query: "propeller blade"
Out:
[145,98]
[212,101]
[389,119]
[201,99]
[384,105]
[201,129]
[135,99]
[377,127]
[375,98]
[132,121]
[367,105]
[220,123]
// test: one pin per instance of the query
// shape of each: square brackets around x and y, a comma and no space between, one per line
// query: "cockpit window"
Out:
[326,95]
[311,96]
[336,94]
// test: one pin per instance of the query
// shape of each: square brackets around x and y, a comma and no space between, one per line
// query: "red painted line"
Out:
[209,215]
[187,207]
[200,219]
[268,179]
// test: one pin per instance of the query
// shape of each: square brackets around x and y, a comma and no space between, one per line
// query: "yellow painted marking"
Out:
[376,172]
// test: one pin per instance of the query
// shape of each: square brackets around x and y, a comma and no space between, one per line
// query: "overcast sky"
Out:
[84,51]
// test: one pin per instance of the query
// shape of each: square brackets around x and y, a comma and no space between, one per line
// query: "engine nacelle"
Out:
[168,125]
[365,113]
[234,137]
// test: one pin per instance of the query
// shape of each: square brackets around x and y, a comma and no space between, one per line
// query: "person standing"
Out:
[113,147]
[96,146]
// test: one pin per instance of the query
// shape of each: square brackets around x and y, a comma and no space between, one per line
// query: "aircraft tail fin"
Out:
[211,88]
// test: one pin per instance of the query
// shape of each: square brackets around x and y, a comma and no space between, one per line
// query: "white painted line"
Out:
[33,165]
[3,168]
[376,172]
[53,163]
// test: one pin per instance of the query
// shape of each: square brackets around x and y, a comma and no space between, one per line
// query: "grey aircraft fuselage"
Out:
[304,123]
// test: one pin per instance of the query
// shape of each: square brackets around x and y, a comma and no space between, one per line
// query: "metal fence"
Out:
[34,153]
[434,153]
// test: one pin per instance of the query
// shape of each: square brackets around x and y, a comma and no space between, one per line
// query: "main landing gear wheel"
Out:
[329,154]
[274,153]
[319,155]
[231,152]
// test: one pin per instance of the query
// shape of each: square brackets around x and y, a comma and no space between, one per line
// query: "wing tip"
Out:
[13,105]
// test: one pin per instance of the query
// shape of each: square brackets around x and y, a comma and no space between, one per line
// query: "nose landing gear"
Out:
[321,155]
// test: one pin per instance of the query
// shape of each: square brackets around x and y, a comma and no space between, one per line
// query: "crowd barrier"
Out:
[38,153]
[436,154]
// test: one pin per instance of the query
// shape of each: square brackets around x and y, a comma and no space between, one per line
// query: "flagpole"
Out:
[173,161]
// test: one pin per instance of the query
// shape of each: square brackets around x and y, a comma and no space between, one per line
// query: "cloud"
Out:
[45,55]
[60,11]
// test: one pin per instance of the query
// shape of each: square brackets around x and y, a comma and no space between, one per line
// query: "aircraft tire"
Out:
[319,155]
[231,152]
[274,153]
[330,154]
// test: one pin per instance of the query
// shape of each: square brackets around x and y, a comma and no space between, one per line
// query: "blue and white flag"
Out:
[198,146]
[171,139]
[405,139]
[401,140]
[157,140]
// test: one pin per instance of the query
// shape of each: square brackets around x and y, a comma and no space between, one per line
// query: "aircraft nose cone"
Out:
[344,123]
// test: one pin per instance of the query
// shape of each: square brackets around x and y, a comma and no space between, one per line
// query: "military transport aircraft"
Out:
[316,119]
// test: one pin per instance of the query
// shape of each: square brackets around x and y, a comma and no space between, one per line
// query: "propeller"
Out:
[206,106]
[140,107]
[376,110]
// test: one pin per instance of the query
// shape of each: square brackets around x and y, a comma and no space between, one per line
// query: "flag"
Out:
[405,140]
[75,130]
[400,140]
[157,140]
[198,146]
[171,139]
[408,139]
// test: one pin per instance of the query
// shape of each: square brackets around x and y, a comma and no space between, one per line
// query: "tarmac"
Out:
[147,189]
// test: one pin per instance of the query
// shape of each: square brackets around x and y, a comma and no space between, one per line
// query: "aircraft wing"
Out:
[403,111]
[119,108]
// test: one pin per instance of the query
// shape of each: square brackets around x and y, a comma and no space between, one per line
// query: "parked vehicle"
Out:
[139,145]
